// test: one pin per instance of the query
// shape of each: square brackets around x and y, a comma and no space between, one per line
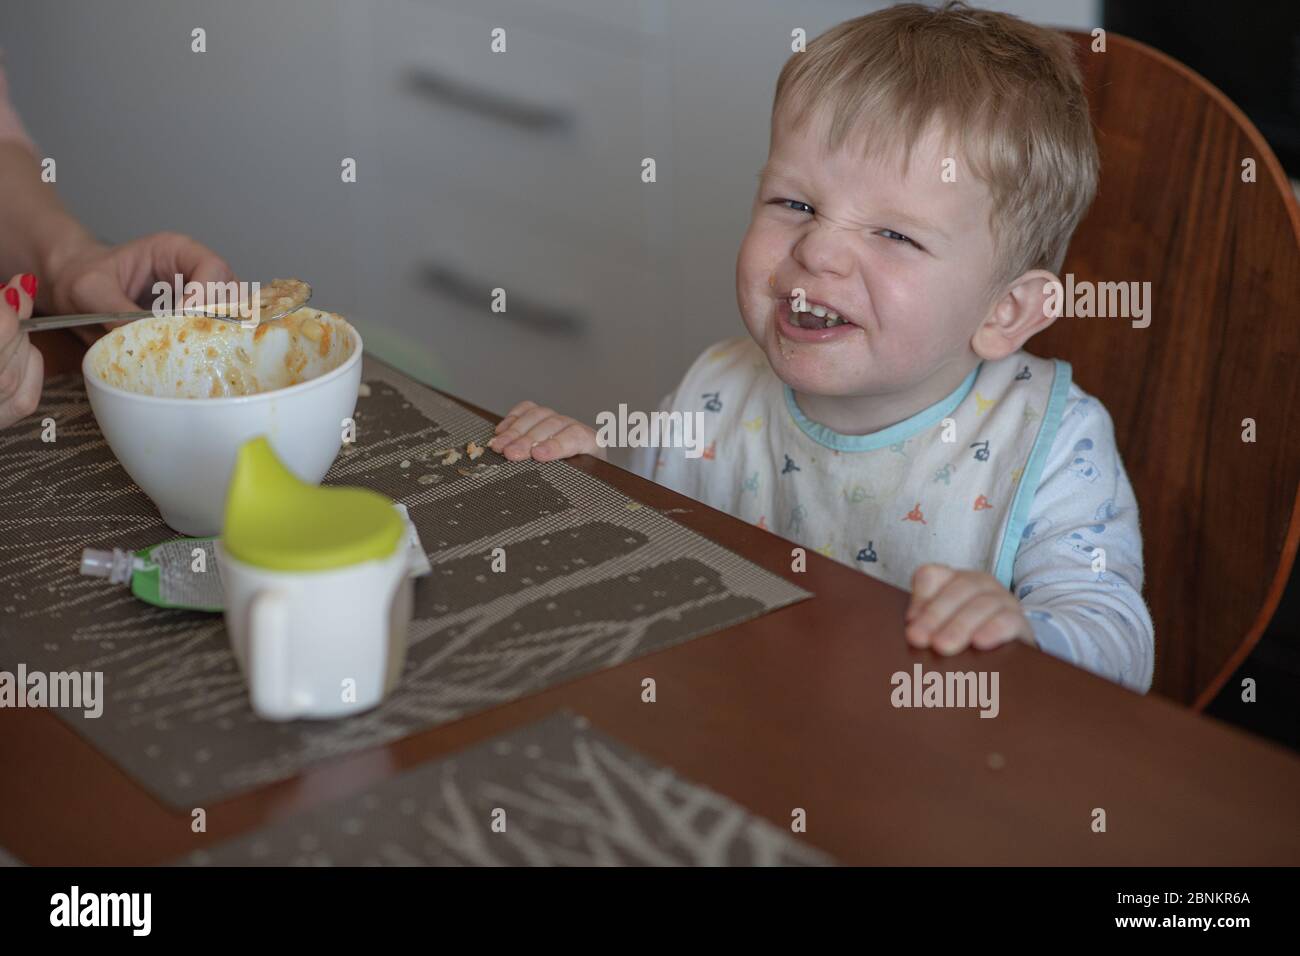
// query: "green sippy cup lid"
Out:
[275,520]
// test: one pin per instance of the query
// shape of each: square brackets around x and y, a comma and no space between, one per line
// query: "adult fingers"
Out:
[27,397]
[19,294]
[15,305]
[99,291]
[173,253]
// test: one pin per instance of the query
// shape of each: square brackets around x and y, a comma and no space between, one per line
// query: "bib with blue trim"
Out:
[952,484]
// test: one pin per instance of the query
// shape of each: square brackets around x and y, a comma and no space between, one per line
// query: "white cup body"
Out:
[318,643]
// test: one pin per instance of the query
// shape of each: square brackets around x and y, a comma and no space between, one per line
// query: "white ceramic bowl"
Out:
[177,397]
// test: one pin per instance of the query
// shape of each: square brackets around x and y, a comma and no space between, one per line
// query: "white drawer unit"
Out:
[555,125]
[580,333]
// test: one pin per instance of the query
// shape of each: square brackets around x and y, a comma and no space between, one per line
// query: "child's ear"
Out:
[1020,312]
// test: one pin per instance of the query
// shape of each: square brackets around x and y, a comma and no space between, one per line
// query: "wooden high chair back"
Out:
[1220,516]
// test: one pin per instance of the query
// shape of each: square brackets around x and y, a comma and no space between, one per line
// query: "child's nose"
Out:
[825,250]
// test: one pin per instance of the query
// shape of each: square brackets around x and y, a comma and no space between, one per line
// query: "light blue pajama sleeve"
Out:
[1078,569]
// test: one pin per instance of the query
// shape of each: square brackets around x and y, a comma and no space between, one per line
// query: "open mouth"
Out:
[814,315]
[811,322]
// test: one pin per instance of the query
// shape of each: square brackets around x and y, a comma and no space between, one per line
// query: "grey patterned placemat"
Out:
[592,580]
[553,793]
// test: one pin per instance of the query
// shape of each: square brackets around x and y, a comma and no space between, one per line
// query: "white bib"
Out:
[886,502]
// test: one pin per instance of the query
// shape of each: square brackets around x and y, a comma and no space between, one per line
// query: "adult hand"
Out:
[93,277]
[21,366]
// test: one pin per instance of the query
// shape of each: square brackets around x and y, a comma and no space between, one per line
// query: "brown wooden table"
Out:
[791,710]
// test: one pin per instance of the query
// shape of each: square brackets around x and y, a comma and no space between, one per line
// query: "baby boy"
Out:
[926,170]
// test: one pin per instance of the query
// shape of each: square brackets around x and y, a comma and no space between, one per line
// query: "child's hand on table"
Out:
[543,434]
[21,366]
[952,610]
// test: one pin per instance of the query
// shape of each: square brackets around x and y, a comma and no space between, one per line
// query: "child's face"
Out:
[906,260]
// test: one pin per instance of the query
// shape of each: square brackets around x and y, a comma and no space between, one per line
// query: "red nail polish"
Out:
[11,296]
[28,282]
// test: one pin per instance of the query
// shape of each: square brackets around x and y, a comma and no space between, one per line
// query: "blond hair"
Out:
[1010,91]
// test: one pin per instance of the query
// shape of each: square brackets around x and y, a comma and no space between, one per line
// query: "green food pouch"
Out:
[181,573]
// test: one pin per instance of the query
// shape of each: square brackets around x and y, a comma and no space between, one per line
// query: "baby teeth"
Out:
[820,311]
[830,316]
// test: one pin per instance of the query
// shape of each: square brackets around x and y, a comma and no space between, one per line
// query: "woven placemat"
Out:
[553,793]
[592,580]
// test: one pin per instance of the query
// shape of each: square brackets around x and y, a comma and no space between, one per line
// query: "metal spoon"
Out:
[43,323]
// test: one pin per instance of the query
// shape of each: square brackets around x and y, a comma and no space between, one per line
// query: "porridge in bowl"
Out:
[198,357]
[176,397]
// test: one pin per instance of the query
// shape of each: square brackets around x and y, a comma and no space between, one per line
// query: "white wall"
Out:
[241,147]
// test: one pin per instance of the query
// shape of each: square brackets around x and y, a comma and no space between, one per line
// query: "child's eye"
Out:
[896,236]
[796,205]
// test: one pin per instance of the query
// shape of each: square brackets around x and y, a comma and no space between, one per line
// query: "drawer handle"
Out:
[471,99]
[477,294]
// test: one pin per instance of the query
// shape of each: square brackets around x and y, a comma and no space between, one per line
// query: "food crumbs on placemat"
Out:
[591,584]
